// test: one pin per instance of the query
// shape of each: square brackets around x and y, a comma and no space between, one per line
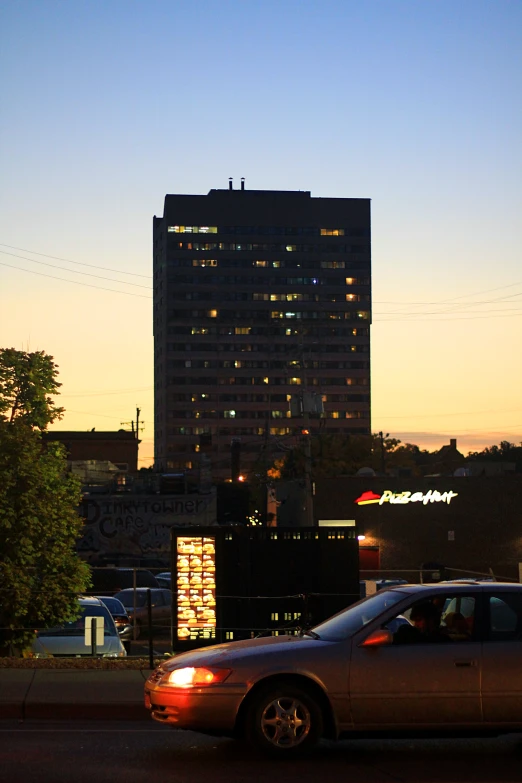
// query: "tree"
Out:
[341,455]
[26,381]
[40,573]
[505,452]
[332,455]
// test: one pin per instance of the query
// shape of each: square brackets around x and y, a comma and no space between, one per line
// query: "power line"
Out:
[80,263]
[452,308]
[89,413]
[438,320]
[462,296]
[74,272]
[435,415]
[74,282]
[103,394]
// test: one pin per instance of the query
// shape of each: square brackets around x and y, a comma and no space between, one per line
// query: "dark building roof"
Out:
[89,435]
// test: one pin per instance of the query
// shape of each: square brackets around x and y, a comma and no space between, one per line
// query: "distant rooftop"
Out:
[90,435]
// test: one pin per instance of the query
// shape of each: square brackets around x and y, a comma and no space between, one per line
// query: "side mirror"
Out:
[379,638]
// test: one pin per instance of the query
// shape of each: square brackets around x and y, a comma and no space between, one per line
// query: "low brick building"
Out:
[119,447]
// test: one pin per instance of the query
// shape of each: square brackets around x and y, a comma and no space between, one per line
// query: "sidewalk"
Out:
[61,694]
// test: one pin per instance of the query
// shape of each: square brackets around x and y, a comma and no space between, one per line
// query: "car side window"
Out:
[505,617]
[441,619]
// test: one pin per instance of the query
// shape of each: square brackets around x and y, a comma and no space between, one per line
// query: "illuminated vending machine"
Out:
[194,606]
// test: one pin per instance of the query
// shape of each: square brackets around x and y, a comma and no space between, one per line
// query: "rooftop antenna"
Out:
[242,183]
[230,183]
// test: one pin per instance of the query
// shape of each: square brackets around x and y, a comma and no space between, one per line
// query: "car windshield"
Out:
[350,620]
[77,627]
[113,605]
[127,599]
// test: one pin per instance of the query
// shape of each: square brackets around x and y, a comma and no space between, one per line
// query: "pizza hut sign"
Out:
[403,498]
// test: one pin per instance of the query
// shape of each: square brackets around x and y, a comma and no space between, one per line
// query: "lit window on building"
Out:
[212,313]
[332,232]
[242,330]
[260,263]
[204,262]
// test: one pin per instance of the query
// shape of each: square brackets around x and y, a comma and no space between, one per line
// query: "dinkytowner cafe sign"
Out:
[403,498]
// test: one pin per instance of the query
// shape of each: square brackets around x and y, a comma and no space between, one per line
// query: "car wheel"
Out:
[284,720]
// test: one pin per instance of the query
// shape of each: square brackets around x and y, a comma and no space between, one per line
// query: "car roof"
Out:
[139,590]
[104,598]
[443,587]
[89,601]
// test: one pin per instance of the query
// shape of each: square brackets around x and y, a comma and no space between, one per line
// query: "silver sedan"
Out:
[451,665]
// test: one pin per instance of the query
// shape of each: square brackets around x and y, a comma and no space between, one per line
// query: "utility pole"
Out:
[309,511]
[305,406]
[134,431]
[383,463]
[133,425]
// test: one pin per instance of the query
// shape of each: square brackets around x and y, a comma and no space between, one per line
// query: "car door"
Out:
[157,607]
[166,610]
[422,684]
[502,658]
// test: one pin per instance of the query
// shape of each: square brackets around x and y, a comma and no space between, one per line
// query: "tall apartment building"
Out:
[259,295]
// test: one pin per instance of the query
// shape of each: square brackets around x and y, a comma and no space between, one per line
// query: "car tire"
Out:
[284,720]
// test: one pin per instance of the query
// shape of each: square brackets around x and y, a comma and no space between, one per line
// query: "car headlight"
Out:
[200,677]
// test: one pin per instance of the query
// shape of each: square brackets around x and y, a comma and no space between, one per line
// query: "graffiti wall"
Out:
[139,525]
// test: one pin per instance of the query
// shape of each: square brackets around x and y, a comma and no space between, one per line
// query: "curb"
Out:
[123,711]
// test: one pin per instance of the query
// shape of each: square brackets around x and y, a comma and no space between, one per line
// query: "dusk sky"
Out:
[107,106]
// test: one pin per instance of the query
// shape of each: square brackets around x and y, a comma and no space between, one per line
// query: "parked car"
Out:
[68,640]
[109,581]
[119,614]
[161,601]
[164,579]
[454,668]
[382,584]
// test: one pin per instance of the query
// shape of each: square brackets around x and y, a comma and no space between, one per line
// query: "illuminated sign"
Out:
[196,584]
[431,496]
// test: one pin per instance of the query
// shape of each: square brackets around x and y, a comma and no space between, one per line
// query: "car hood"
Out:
[232,651]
